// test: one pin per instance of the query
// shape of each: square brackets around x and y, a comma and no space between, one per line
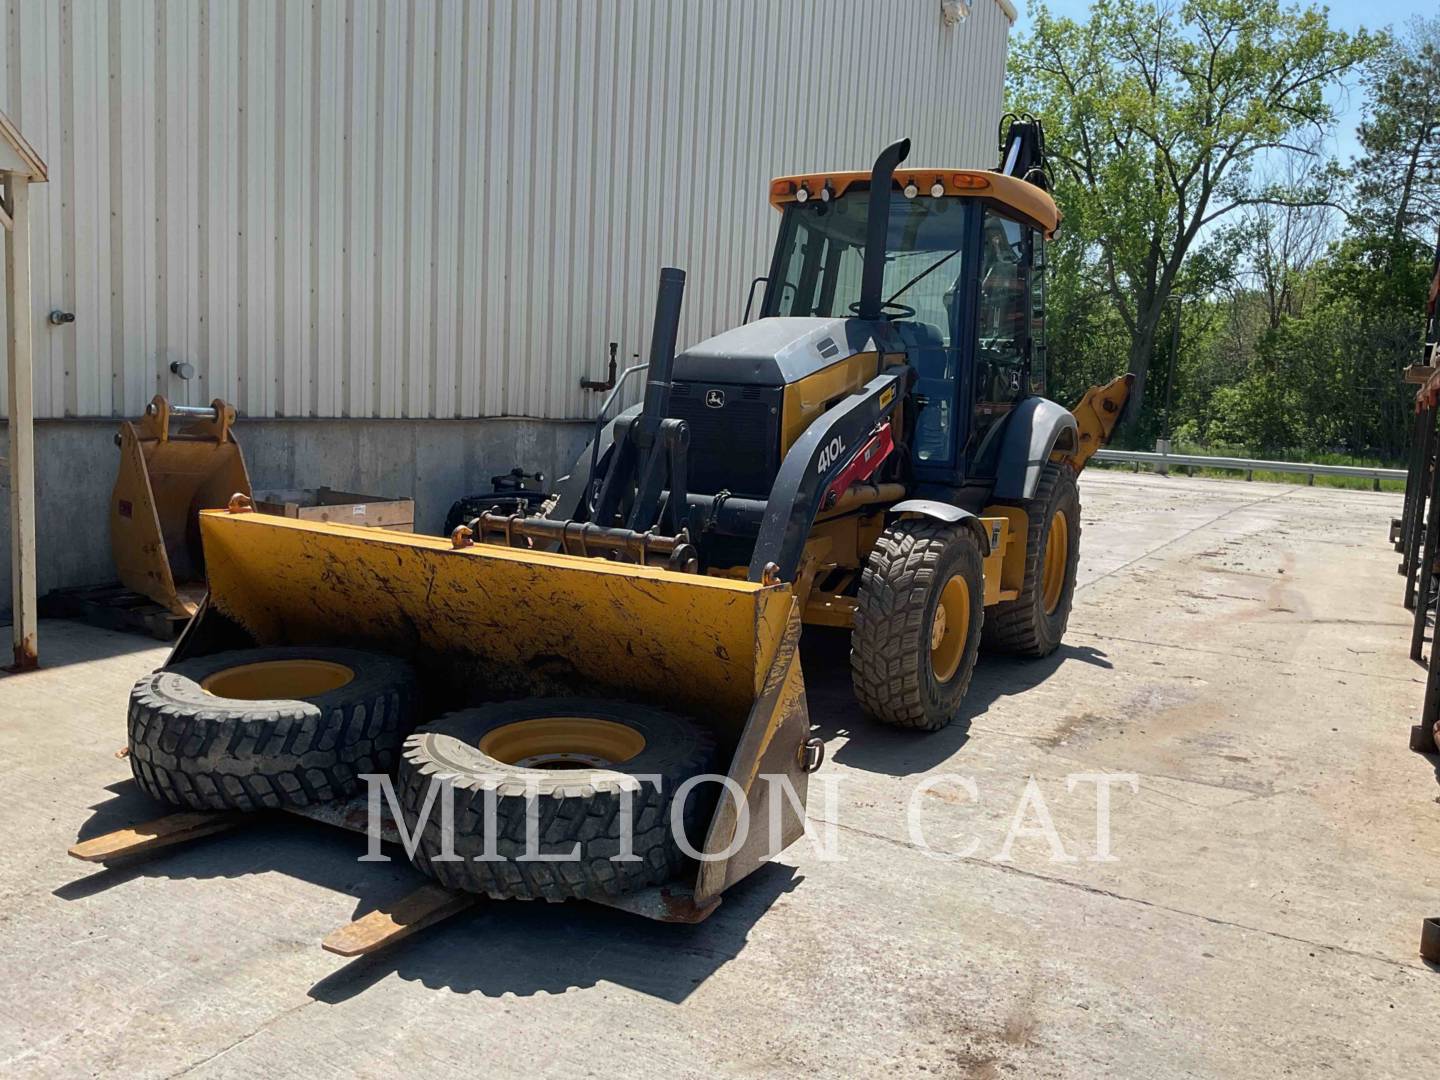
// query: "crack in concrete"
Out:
[1186,535]
[1111,894]
[186,1070]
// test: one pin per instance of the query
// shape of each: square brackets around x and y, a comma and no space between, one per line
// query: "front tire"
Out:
[918,620]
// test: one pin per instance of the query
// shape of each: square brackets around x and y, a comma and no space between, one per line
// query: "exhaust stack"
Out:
[877,227]
[663,336]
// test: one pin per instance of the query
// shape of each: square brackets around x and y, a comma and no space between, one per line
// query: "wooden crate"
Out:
[345,507]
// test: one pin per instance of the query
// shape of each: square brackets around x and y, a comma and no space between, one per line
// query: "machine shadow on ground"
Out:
[497,947]
[524,948]
[271,843]
[60,650]
[873,747]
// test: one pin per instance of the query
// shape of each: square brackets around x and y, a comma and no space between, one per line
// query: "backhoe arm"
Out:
[1097,416]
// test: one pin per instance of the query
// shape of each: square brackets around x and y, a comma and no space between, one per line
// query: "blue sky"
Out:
[1374,14]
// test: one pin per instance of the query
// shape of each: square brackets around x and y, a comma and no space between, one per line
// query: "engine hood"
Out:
[782,350]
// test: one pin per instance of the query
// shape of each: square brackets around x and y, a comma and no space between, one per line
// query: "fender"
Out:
[947,513]
[812,464]
[1035,429]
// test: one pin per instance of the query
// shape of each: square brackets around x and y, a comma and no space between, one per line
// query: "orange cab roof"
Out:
[1025,199]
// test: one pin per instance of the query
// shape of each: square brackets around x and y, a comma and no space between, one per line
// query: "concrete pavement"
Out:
[1239,648]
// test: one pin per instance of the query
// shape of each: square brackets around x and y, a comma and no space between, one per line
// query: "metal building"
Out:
[345,210]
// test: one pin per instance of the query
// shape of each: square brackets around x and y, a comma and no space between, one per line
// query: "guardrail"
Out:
[1249,466]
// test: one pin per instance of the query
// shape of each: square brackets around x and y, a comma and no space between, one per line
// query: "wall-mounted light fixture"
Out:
[954,12]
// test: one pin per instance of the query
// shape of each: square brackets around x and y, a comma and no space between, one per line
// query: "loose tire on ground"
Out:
[573,757]
[1034,623]
[198,740]
[917,624]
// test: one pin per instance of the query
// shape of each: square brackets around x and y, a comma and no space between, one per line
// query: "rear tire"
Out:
[1034,623]
[576,805]
[910,662]
[192,747]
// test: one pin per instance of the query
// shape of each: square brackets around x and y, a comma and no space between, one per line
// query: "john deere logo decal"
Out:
[715,399]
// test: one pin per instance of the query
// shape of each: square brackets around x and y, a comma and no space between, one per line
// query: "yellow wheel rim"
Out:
[950,630]
[562,742]
[272,680]
[1057,557]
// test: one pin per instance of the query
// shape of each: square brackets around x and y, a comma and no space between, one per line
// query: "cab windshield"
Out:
[821,252]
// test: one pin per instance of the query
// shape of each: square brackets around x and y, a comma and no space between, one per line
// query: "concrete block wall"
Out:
[432,461]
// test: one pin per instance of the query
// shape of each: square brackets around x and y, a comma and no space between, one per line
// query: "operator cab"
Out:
[963,290]
[900,331]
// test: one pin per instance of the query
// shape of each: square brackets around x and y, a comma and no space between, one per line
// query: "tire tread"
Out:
[584,812]
[244,758]
[890,648]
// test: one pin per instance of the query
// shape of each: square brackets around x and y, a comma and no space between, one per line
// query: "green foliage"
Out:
[1326,377]
[1261,410]
[1183,141]
[1157,116]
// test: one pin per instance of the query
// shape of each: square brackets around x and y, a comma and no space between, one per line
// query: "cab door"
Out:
[1002,341]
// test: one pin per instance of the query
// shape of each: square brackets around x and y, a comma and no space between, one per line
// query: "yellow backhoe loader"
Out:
[870,453]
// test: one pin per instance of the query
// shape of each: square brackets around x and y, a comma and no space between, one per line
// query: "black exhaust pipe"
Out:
[663,336]
[877,227]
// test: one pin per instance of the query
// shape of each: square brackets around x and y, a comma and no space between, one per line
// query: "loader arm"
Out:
[820,455]
[1097,416]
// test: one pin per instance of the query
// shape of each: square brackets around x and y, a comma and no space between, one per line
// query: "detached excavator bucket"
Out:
[165,479]
[487,622]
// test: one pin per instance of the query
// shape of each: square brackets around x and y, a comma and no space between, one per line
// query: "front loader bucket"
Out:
[164,481]
[489,622]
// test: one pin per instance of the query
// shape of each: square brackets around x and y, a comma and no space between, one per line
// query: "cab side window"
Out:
[1002,323]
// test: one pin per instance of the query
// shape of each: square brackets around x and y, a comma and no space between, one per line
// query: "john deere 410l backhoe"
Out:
[875,438]
[870,453]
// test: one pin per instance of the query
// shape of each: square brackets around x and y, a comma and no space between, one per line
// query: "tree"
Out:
[1397,178]
[1346,352]
[1158,118]
[1283,239]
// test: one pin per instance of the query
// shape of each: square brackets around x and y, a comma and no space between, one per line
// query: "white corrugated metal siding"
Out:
[347,208]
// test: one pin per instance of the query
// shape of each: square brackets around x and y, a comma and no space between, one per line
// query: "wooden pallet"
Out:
[426,906]
[115,608]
